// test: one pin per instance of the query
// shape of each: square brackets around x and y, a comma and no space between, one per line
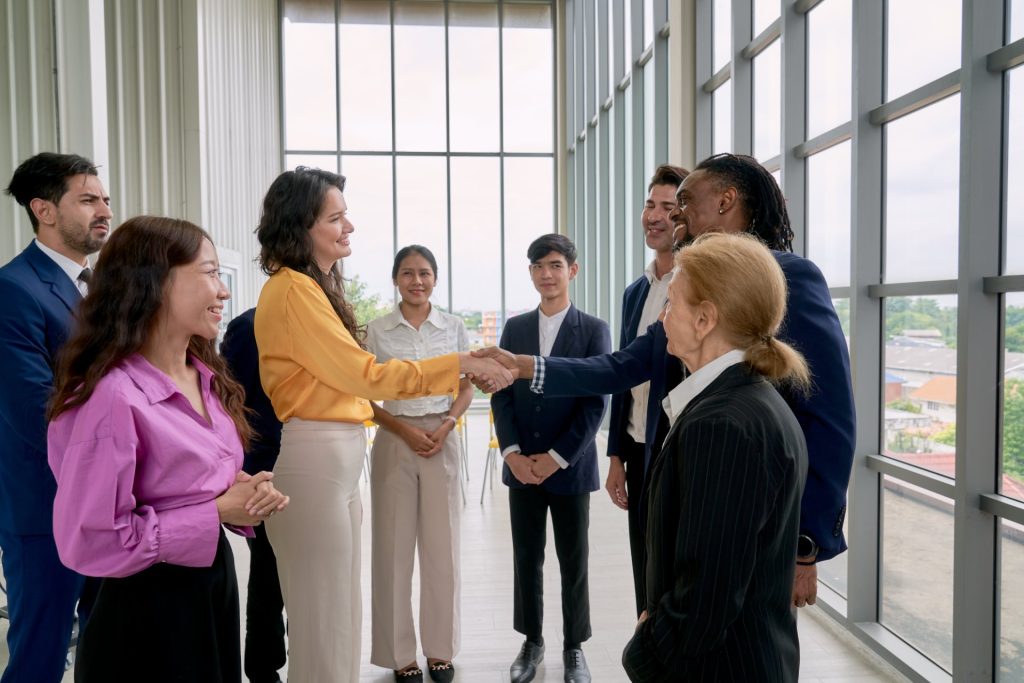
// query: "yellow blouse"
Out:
[312,368]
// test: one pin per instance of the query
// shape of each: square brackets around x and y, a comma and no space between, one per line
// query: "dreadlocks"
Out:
[759,193]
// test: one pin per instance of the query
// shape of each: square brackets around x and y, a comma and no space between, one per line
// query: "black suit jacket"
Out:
[539,424]
[723,520]
[243,359]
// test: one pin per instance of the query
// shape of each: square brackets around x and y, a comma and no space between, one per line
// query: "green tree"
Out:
[843,311]
[904,405]
[946,435]
[367,307]
[1013,427]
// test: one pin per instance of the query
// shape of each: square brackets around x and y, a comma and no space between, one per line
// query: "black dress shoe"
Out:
[525,667]
[441,672]
[576,670]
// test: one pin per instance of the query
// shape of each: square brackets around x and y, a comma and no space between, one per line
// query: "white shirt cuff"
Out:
[514,448]
[557,458]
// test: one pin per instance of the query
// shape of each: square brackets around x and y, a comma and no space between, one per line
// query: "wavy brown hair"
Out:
[290,209]
[119,314]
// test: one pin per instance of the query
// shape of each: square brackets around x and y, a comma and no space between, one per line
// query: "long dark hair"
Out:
[116,318]
[758,192]
[290,209]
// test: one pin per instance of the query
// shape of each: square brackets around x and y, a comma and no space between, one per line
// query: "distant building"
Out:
[937,398]
[490,328]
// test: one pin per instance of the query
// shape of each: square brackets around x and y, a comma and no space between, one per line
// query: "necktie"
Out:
[85,276]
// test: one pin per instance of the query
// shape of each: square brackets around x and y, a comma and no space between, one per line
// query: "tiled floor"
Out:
[489,644]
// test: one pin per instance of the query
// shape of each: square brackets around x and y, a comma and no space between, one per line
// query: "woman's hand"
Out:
[487,374]
[437,437]
[417,439]
[233,506]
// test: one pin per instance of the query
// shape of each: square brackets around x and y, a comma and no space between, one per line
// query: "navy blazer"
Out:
[825,413]
[633,300]
[37,300]
[243,359]
[540,423]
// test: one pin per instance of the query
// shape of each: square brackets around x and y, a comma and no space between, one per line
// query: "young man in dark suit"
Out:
[635,413]
[39,289]
[550,460]
[265,650]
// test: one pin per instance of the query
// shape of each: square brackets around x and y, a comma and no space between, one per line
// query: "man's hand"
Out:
[805,585]
[520,364]
[642,619]
[543,466]
[521,467]
[615,484]
[487,374]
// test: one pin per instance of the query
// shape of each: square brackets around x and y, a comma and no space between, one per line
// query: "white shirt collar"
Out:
[651,272]
[677,400]
[555,319]
[395,318]
[69,266]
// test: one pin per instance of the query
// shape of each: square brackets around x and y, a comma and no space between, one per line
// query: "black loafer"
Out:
[441,672]
[525,667]
[576,670]
[413,675]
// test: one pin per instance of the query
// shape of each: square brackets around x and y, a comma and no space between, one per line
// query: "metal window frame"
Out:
[501,155]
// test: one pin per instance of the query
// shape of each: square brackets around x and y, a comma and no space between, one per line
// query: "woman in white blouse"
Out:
[414,483]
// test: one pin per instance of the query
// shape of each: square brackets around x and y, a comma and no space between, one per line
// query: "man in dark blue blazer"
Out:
[733,193]
[642,303]
[550,461]
[39,290]
[265,650]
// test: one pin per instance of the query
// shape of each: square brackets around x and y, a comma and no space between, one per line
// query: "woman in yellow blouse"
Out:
[320,381]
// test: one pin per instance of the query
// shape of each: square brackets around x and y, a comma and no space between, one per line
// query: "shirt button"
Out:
[536,435]
[537,409]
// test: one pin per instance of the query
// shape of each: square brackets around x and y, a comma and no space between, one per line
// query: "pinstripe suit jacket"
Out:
[723,520]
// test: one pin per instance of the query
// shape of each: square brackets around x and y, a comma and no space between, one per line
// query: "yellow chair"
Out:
[493,454]
[371,429]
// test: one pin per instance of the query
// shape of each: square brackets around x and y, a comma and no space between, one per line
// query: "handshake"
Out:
[492,369]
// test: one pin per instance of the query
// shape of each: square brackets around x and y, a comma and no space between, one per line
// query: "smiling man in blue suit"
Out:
[550,461]
[39,290]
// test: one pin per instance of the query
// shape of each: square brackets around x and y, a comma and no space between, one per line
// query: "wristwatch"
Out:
[806,549]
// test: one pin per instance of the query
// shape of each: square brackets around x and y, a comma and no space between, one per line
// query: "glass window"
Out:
[834,573]
[328,162]
[649,152]
[422,211]
[721,111]
[917,568]
[1016,20]
[627,24]
[1011,602]
[648,22]
[915,57]
[829,65]
[368,193]
[1012,483]
[527,71]
[473,77]
[722,34]
[310,95]
[419,77]
[364,63]
[922,173]
[765,12]
[529,213]
[476,221]
[1014,255]
[828,213]
[768,102]
[919,381]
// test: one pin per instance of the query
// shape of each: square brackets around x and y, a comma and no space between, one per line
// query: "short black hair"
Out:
[668,174]
[45,176]
[405,252]
[758,192]
[545,244]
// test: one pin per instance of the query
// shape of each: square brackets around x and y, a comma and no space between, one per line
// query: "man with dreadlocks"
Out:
[734,193]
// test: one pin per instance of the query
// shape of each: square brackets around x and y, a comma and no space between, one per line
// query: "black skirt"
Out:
[166,623]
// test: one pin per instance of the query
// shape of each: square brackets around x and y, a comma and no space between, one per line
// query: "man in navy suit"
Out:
[264,623]
[734,193]
[642,303]
[39,289]
[550,460]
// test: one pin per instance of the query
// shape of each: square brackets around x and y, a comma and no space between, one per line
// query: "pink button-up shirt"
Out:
[137,472]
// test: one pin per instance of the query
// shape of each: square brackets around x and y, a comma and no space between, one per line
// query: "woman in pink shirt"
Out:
[145,441]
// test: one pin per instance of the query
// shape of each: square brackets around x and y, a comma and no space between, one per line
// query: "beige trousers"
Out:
[316,541]
[416,505]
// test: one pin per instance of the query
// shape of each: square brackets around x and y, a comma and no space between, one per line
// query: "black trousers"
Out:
[634,462]
[570,518]
[166,623]
[265,651]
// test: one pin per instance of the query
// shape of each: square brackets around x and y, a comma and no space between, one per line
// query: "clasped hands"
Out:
[250,500]
[531,469]
[423,443]
[492,368]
